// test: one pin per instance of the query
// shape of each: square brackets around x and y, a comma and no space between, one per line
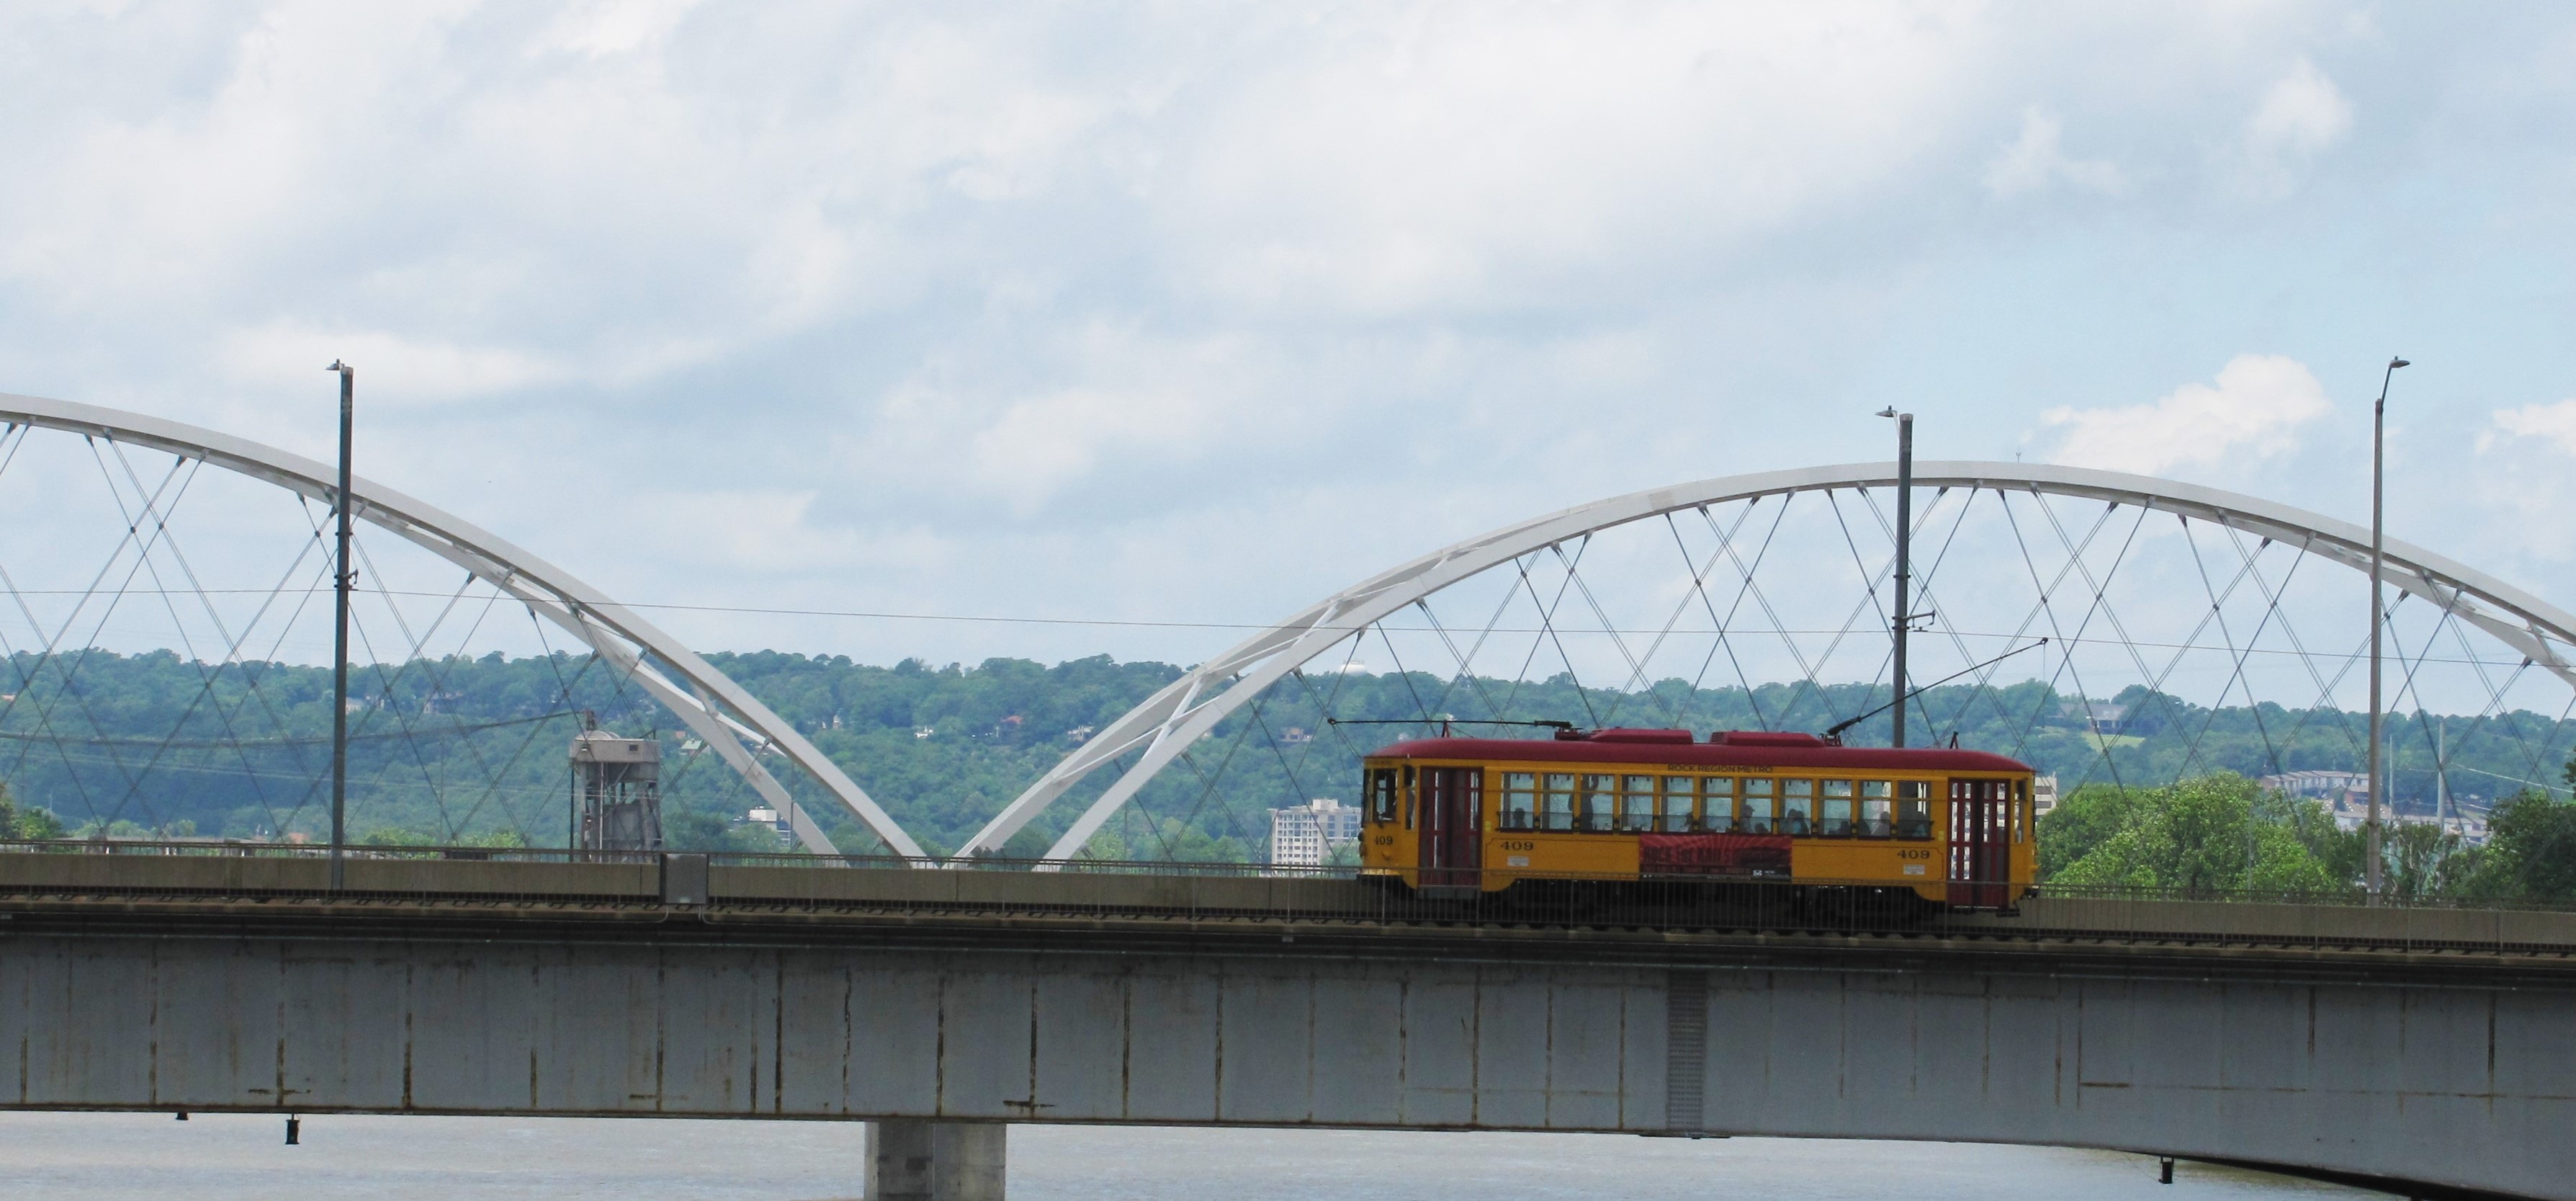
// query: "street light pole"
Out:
[2378,614]
[340,640]
[1904,559]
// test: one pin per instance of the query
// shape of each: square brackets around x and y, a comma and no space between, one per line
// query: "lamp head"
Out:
[337,365]
[2394,364]
[1889,411]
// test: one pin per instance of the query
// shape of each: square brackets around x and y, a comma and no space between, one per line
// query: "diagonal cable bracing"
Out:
[1547,633]
[1636,669]
[1725,625]
[2075,552]
[44,708]
[209,674]
[1761,600]
[66,677]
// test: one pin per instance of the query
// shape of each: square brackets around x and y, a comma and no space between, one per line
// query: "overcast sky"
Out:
[1197,312]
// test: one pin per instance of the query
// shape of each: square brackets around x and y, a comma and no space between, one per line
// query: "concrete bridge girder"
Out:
[2464,1087]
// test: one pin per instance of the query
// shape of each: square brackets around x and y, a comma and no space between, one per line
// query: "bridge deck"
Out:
[1331,915]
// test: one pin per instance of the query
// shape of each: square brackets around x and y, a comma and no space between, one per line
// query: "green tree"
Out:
[2425,860]
[38,823]
[26,821]
[2342,851]
[2083,820]
[396,836]
[2205,834]
[694,829]
[2530,851]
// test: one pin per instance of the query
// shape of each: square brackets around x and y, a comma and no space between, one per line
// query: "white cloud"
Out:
[2520,478]
[2551,423]
[1042,443]
[748,529]
[2254,409]
[286,354]
[601,28]
[2037,160]
[2302,116]
[1487,157]
[1111,398]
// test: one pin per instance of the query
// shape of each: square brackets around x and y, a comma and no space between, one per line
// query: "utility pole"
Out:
[2443,809]
[1904,559]
[2378,612]
[340,640]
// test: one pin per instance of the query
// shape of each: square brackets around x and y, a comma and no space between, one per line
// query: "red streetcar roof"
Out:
[1731,748]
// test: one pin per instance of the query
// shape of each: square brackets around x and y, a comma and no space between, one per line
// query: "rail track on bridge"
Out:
[764,903]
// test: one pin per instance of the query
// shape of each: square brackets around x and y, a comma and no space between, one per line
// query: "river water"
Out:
[220,1157]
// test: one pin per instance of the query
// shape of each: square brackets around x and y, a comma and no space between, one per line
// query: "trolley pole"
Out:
[340,641]
[1904,560]
[2378,612]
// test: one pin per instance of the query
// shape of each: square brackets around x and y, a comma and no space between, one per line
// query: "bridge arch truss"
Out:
[1158,732]
[741,730]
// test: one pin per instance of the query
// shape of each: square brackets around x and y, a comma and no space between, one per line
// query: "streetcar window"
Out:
[1717,809]
[1679,793]
[1408,798]
[1757,805]
[2020,808]
[1798,808]
[1381,792]
[1875,809]
[1637,803]
[1836,821]
[1600,802]
[1914,809]
[1557,801]
[1520,800]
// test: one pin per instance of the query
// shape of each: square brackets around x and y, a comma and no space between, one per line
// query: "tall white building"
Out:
[1304,836]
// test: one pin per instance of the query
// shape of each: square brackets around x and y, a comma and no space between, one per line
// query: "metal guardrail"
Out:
[1085,890]
[2341,897]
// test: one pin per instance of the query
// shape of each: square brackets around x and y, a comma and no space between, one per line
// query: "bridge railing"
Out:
[2353,896]
[985,890]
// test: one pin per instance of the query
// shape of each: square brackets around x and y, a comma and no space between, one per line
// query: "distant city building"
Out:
[763,815]
[2043,795]
[2099,717]
[1306,835]
[2345,794]
[1341,822]
[2328,786]
[2472,828]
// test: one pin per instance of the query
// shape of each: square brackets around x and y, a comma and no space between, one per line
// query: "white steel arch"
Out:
[738,727]
[1190,706]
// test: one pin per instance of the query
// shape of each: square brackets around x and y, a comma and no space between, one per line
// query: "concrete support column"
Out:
[936,1161]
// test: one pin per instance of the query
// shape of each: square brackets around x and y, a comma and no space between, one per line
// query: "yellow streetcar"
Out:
[1457,814]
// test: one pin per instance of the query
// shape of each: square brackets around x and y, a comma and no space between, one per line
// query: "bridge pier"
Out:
[936,1161]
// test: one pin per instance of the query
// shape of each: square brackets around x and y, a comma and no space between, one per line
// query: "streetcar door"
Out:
[1980,844]
[1452,850]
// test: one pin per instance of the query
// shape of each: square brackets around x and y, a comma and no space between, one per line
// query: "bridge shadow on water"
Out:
[230,1157]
